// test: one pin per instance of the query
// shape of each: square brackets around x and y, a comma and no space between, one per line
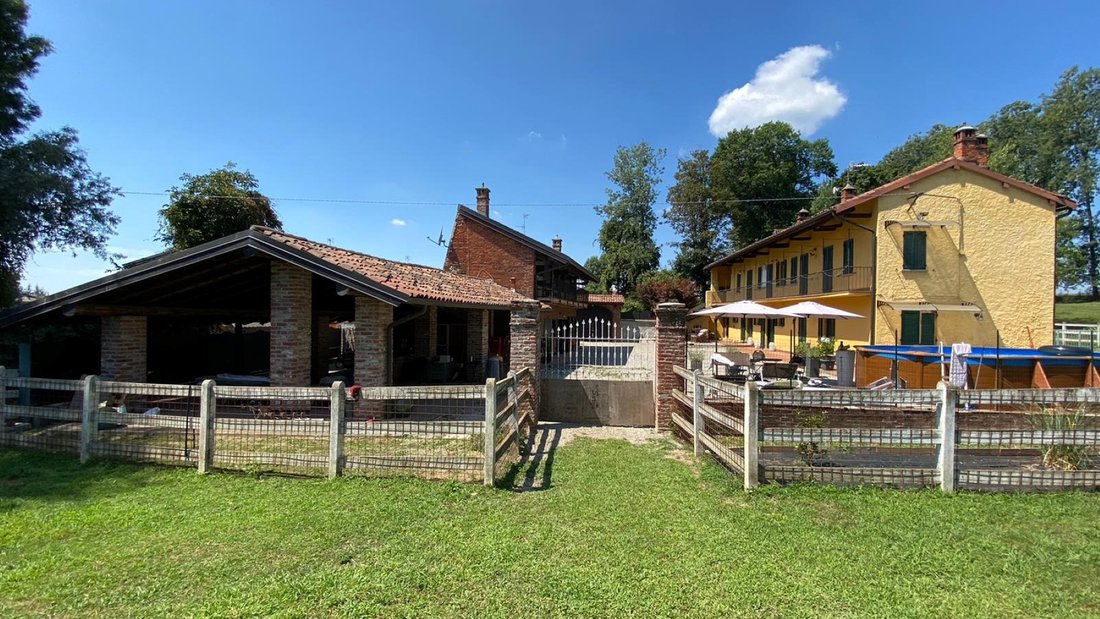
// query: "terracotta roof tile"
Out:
[606,298]
[414,280]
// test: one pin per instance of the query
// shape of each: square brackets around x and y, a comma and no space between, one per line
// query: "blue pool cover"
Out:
[978,355]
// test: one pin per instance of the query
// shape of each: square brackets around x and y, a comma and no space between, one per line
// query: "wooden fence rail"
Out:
[433,431]
[724,420]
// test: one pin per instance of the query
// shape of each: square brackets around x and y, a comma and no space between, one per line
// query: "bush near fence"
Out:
[464,432]
[1019,439]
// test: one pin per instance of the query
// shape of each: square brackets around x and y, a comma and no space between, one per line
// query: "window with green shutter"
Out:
[848,259]
[914,247]
[918,328]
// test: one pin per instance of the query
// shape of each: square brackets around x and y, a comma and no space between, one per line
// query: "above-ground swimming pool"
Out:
[988,367]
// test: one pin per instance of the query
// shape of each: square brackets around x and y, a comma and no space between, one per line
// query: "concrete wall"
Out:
[596,401]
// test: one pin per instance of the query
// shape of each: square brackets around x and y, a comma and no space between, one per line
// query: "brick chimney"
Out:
[802,216]
[847,192]
[971,146]
[556,243]
[483,200]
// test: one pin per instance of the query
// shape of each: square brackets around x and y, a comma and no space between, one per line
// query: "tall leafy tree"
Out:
[765,175]
[49,197]
[212,205]
[695,214]
[626,235]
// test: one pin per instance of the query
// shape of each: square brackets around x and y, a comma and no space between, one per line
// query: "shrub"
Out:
[1060,456]
[810,452]
[664,286]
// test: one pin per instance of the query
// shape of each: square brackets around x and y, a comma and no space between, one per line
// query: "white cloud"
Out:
[533,135]
[398,222]
[784,88]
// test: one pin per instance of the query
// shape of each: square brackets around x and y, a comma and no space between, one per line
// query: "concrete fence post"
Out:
[338,403]
[696,416]
[207,404]
[490,433]
[89,427]
[946,462]
[752,435]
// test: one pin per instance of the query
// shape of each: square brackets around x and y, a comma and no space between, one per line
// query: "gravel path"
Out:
[570,431]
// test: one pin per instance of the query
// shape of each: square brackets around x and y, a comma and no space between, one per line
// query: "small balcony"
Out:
[567,294]
[851,279]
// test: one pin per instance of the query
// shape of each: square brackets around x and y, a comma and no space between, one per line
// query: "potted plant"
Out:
[812,355]
[827,349]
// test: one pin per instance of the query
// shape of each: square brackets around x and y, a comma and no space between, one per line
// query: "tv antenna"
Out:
[442,242]
[523,226]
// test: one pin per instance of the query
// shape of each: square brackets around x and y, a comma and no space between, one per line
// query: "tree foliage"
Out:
[696,215]
[49,197]
[663,286]
[626,235]
[762,176]
[212,205]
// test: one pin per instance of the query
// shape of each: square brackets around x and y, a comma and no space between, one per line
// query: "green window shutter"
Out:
[927,329]
[914,247]
[910,328]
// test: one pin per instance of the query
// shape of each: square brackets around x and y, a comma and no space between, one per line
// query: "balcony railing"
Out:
[562,294]
[851,279]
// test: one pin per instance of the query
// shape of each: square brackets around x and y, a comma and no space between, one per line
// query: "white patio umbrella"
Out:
[746,309]
[812,309]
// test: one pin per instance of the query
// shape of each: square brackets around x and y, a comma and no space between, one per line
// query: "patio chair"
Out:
[731,370]
[779,371]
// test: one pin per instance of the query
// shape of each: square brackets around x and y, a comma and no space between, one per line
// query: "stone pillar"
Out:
[477,343]
[123,348]
[523,331]
[291,325]
[372,322]
[671,351]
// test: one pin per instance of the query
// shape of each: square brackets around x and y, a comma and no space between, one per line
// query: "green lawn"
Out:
[1077,312]
[621,530]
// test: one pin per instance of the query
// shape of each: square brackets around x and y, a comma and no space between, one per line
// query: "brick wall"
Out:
[123,348]
[291,325]
[671,351]
[481,252]
[477,342]
[372,318]
[523,329]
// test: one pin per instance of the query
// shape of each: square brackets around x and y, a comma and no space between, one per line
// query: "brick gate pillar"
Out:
[291,325]
[671,350]
[523,332]
[123,348]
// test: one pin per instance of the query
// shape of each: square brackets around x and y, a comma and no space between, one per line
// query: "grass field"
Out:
[621,530]
[1077,312]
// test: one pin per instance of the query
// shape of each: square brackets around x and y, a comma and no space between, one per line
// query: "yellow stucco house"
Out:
[954,252]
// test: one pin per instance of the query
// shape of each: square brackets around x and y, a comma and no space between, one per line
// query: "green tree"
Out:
[626,235]
[764,175]
[209,206]
[695,214]
[49,197]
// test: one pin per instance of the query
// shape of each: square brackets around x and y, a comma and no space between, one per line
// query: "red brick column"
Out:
[477,342]
[123,348]
[523,331]
[671,350]
[372,321]
[291,325]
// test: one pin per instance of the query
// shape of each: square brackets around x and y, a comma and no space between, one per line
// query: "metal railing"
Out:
[586,346]
[851,279]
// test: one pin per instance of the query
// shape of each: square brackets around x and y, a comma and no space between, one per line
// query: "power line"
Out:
[521,204]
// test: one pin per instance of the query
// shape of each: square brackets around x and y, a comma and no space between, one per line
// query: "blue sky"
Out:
[419,102]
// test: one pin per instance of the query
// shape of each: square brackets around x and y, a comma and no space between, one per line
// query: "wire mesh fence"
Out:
[42,413]
[1013,439]
[146,422]
[439,431]
[272,429]
[434,432]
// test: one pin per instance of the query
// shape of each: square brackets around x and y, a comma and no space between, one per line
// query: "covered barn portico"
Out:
[274,308]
